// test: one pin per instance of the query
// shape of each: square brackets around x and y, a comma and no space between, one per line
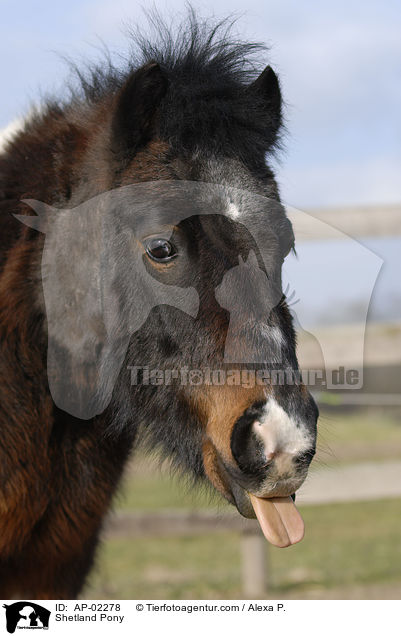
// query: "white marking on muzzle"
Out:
[284,437]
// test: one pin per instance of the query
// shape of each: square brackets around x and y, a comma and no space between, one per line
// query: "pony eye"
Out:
[161,250]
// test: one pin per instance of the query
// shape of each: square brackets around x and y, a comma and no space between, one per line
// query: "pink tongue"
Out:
[279,519]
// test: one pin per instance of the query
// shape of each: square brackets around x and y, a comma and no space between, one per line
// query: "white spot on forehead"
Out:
[281,434]
[233,210]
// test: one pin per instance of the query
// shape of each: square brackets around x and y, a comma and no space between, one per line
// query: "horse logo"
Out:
[98,291]
[26,615]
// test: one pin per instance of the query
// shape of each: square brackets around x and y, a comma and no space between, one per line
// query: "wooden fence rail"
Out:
[360,482]
[382,220]
[254,574]
[358,222]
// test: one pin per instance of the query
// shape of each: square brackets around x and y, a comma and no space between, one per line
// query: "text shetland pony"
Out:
[188,109]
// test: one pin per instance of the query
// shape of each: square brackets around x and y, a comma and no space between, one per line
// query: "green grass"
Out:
[355,544]
[156,488]
[368,426]
[345,544]
[368,435]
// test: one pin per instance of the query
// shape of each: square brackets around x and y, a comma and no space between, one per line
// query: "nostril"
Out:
[246,447]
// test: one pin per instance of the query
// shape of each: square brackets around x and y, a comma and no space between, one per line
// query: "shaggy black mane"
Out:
[195,50]
[209,70]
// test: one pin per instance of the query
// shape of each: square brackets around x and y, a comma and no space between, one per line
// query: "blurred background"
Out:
[340,68]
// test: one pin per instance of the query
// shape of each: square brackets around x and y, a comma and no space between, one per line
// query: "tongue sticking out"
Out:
[279,519]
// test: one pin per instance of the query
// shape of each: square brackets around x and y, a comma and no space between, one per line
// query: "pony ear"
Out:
[267,88]
[135,112]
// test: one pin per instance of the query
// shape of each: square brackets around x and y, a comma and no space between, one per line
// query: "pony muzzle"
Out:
[270,454]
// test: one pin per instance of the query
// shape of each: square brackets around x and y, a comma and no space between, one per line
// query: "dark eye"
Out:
[160,249]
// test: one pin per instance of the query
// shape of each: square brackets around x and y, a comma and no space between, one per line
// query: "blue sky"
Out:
[339,64]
